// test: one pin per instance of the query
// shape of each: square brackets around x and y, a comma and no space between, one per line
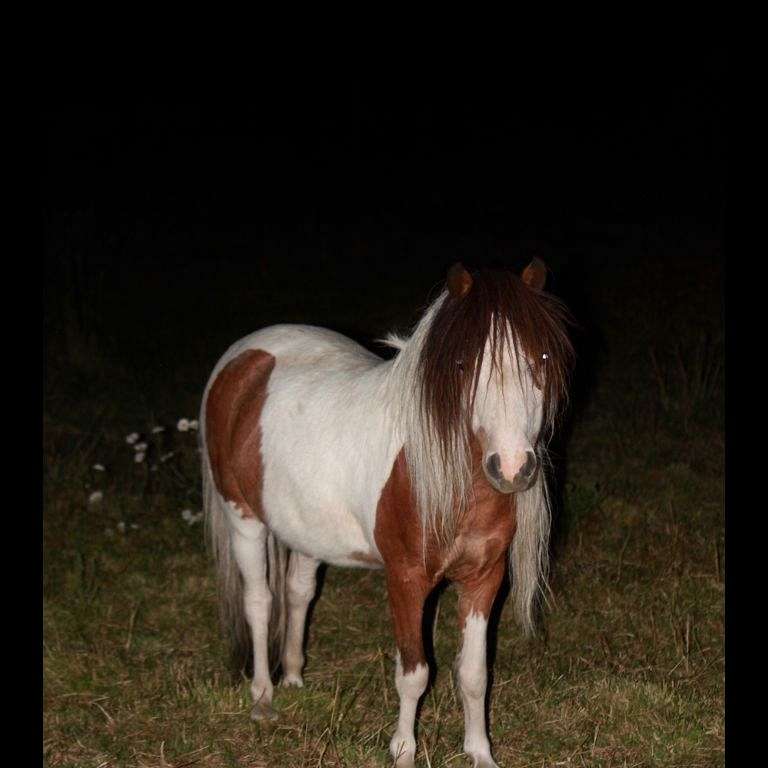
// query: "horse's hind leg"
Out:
[249,545]
[300,589]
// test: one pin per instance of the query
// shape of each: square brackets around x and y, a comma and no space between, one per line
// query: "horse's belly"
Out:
[331,535]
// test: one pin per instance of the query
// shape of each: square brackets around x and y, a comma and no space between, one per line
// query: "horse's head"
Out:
[496,365]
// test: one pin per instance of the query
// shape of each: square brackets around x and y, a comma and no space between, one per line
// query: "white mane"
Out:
[440,489]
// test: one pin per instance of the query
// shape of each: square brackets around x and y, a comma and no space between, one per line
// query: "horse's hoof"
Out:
[292,681]
[402,758]
[263,712]
[484,762]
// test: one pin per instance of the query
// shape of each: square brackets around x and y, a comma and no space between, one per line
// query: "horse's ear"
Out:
[535,274]
[459,281]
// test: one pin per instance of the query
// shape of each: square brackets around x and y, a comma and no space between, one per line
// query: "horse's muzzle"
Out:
[520,482]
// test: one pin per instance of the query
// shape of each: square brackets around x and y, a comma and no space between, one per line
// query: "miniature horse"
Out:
[427,465]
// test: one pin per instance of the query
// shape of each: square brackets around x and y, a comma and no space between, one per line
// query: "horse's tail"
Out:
[529,557]
[230,581]
[277,568]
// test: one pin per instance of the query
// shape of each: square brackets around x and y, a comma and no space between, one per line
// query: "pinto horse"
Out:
[428,465]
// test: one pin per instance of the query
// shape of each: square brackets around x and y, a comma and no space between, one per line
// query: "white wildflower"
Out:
[134,526]
[183,425]
[132,438]
[139,457]
[121,527]
[191,517]
[98,467]
[157,430]
[140,447]
[95,497]
[193,424]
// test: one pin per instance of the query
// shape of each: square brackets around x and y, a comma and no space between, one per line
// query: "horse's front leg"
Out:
[476,596]
[407,593]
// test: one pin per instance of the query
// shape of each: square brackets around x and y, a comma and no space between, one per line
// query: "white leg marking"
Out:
[249,538]
[300,590]
[472,677]
[410,686]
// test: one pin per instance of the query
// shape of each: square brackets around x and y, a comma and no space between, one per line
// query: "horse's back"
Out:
[302,346]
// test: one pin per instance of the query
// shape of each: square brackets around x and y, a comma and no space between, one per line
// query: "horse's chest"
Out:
[482,536]
[476,551]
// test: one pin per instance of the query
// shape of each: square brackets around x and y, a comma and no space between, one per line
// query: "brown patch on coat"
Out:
[233,429]
[397,534]
[482,547]
[476,560]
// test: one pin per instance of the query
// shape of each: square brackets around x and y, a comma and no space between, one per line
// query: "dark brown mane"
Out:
[502,309]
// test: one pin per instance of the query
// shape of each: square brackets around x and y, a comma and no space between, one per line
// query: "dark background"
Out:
[173,229]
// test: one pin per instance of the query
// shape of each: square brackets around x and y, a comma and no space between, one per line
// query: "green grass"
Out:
[628,670]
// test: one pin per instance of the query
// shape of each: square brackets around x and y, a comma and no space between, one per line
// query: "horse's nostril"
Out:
[530,465]
[493,465]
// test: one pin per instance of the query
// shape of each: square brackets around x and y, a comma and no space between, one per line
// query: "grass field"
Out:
[629,667]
